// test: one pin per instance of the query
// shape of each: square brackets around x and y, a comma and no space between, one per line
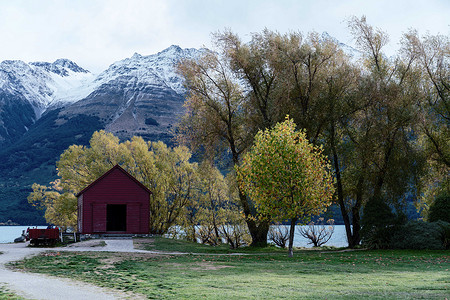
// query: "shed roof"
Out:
[109,172]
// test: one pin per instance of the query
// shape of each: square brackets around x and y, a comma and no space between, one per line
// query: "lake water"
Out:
[9,233]
[339,238]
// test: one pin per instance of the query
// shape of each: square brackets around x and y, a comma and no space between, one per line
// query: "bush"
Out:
[440,209]
[422,235]
[445,234]
[379,223]
[279,235]
[319,232]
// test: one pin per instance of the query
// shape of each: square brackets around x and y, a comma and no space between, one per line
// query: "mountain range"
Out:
[46,107]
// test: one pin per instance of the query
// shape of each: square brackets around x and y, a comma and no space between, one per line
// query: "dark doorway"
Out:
[116,217]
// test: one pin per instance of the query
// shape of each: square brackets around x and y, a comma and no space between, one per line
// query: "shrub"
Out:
[422,235]
[319,232]
[445,233]
[378,224]
[279,235]
[440,209]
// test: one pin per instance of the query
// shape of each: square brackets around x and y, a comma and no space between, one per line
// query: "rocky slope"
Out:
[141,95]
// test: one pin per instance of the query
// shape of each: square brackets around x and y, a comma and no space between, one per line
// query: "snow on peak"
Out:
[60,66]
[136,56]
[172,50]
[157,68]
[63,82]
[326,36]
[43,83]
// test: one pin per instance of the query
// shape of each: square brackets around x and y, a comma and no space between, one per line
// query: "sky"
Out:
[97,33]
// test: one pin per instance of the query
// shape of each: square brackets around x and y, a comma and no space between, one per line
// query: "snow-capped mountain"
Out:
[46,107]
[44,84]
[140,95]
[152,69]
[131,93]
[28,89]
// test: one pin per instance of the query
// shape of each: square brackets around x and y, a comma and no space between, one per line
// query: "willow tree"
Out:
[432,53]
[245,87]
[60,207]
[215,122]
[216,210]
[166,172]
[382,162]
[286,176]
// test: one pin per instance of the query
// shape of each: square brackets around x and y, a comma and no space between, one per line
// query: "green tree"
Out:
[215,215]
[379,224]
[440,209]
[380,159]
[286,176]
[432,57]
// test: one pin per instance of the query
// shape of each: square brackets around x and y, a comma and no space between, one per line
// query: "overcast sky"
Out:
[96,33]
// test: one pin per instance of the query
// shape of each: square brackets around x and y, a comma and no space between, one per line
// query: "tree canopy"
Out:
[287,176]
[166,172]
[382,121]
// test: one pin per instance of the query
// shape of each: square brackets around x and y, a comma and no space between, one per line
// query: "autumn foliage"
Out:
[286,176]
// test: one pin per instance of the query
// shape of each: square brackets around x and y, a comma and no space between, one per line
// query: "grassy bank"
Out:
[258,274]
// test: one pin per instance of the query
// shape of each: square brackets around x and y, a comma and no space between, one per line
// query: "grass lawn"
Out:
[264,274]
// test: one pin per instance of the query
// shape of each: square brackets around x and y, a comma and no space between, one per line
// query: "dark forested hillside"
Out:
[32,159]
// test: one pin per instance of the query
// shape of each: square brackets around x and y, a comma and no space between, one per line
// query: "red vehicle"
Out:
[43,236]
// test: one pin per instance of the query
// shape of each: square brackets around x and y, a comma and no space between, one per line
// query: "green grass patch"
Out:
[309,275]
[158,243]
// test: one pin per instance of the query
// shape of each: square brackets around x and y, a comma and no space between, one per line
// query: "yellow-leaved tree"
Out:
[216,209]
[165,171]
[286,176]
[179,187]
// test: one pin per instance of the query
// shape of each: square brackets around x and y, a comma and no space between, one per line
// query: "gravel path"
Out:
[40,286]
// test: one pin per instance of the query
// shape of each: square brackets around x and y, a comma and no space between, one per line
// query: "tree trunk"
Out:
[291,236]
[340,193]
[356,238]
[257,232]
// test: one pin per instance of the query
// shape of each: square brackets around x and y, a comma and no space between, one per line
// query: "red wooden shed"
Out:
[114,203]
